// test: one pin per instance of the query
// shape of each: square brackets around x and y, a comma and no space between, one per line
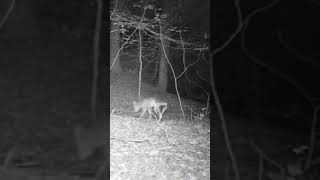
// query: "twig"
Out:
[112,111]
[114,9]
[312,137]
[165,130]
[4,19]
[130,140]
[9,157]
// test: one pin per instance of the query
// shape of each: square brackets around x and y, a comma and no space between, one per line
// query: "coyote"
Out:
[150,104]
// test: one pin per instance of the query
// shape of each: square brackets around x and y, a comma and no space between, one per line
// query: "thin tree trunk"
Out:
[163,68]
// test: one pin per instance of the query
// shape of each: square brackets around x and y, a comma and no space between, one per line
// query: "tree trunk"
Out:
[163,73]
[163,68]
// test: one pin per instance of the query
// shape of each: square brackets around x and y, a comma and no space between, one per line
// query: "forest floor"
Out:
[174,148]
[140,149]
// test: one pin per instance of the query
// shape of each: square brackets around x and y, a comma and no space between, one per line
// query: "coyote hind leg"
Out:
[151,113]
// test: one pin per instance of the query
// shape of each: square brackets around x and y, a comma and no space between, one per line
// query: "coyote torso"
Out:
[149,105]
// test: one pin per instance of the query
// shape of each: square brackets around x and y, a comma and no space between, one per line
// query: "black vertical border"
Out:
[105,48]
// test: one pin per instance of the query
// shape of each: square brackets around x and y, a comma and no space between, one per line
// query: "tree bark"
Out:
[163,70]
[163,67]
